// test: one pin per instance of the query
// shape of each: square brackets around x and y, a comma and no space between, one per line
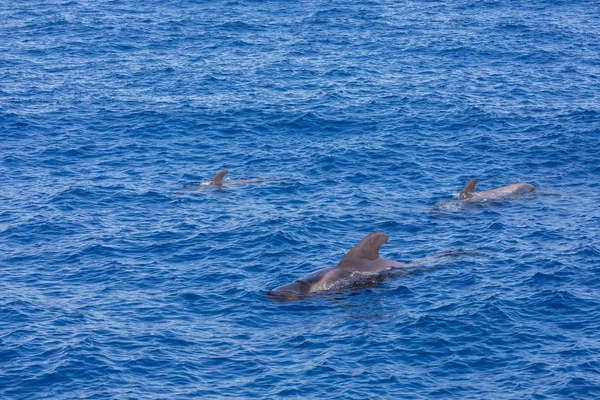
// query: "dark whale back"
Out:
[366,249]
[218,178]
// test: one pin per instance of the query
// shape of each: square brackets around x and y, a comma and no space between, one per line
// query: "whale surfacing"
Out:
[219,181]
[362,261]
[218,178]
[502,193]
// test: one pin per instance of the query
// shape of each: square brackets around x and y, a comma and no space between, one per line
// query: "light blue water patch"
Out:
[363,116]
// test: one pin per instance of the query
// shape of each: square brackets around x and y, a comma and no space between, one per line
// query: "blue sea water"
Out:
[364,116]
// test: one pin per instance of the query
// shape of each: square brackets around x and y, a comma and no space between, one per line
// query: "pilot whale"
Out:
[502,193]
[218,178]
[219,182]
[362,262]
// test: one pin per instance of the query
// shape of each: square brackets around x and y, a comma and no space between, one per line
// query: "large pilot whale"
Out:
[502,193]
[219,181]
[362,262]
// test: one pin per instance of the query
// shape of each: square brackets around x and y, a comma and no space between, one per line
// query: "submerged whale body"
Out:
[362,262]
[502,193]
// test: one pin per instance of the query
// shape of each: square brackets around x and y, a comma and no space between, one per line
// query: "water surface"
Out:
[364,115]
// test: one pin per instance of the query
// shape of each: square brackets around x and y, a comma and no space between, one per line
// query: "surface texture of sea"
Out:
[363,116]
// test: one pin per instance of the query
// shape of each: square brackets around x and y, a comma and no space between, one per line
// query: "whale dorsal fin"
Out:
[366,249]
[218,178]
[468,190]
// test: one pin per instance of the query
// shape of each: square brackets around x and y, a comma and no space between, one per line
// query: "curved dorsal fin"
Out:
[218,178]
[366,249]
[468,190]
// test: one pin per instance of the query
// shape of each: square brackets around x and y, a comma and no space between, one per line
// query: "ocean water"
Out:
[362,116]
